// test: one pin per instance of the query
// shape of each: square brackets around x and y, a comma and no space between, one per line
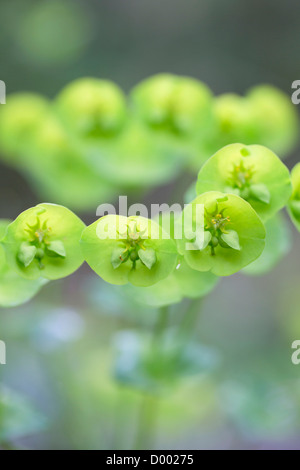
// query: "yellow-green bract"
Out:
[234,235]
[174,104]
[43,242]
[252,172]
[294,203]
[133,249]
[183,282]
[18,121]
[276,119]
[92,108]
[278,244]
[176,112]
[14,289]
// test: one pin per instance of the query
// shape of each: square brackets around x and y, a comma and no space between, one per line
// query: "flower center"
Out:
[215,225]
[39,245]
[132,248]
[240,178]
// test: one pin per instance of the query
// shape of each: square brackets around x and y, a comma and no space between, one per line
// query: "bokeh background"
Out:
[61,346]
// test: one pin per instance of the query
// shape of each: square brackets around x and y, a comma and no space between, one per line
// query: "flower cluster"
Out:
[241,190]
[69,148]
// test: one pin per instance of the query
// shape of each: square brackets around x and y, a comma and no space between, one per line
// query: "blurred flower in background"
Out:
[72,351]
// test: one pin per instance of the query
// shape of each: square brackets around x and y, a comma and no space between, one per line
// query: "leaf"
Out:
[117,256]
[231,238]
[26,254]
[260,192]
[148,257]
[57,247]
[203,243]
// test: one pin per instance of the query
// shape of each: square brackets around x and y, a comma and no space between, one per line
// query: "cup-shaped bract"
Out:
[230,237]
[184,282]
[14,289]
[60,172]
[233,121]
[92,108]
[252,172]
[294,202]
[276,118]
[133,249]
[43,242]
[140,161]
[18,121]
[180,106]
[278,244]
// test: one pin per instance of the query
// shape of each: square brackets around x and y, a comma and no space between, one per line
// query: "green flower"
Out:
[92,108]
[172,104]
[14,289]
[140,161]
[278,244]
[233,121]
[230,237]
[43,242]
[64,175]
[252,172]
[294,203]
[134,249]
[276,118]
[18,121]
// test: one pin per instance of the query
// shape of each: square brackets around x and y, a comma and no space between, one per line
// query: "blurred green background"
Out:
[61,346]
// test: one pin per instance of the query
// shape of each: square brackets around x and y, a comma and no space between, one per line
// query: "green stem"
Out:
[147,422]
[187,326]
[149,404]
[161,324]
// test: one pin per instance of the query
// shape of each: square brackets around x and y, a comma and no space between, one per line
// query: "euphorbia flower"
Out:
[252,172]
[276,118]
[234,235]
[180,106]
[14,289]
[19,119]
[92,108]
[133,249]
[44,242]
[294,203]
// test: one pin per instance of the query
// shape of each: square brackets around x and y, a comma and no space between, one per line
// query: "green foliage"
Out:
[155,367]
[17,417]
[43,242]
[252,172]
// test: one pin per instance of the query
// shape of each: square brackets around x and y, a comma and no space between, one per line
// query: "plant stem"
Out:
[147,422]
[189,321]
[149,404]
[161,324]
